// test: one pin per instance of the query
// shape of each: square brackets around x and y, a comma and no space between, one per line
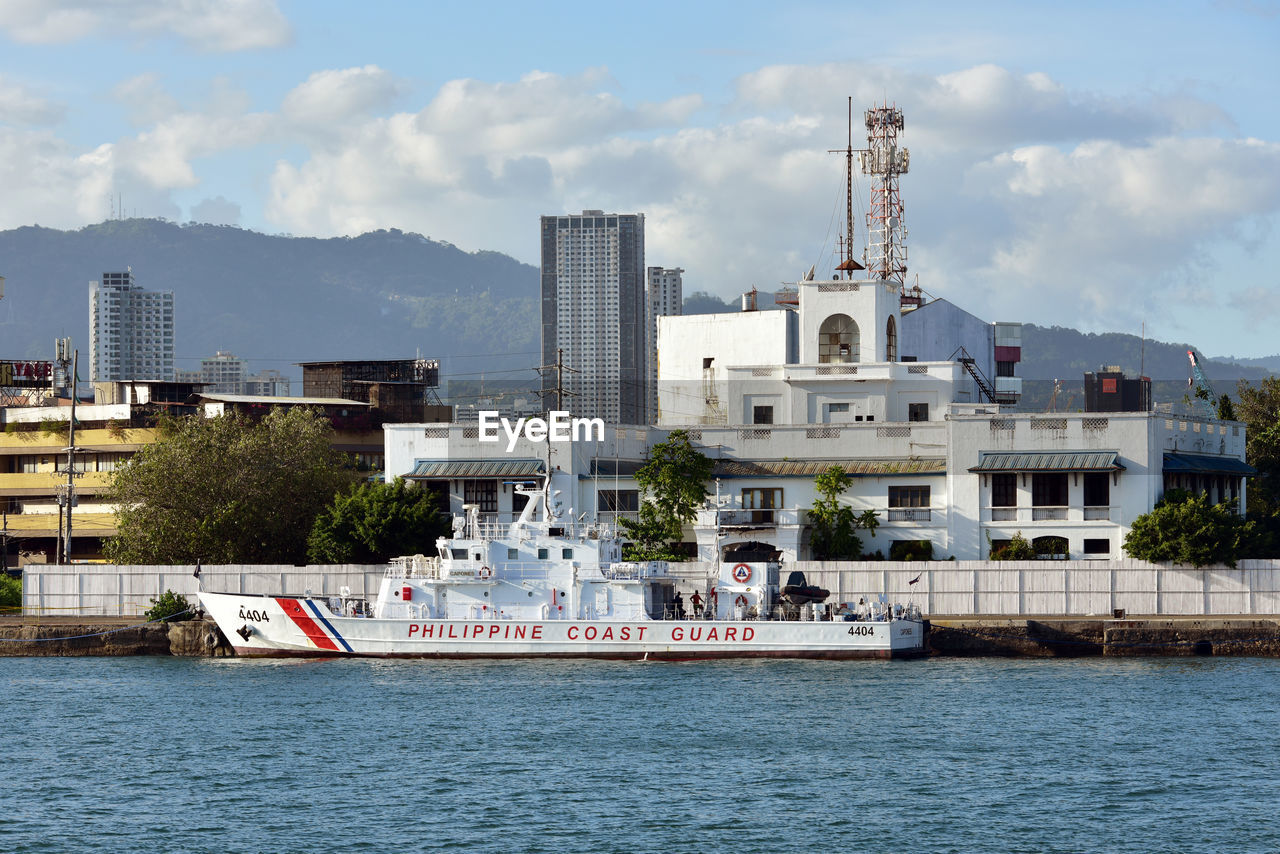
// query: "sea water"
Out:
[207,755]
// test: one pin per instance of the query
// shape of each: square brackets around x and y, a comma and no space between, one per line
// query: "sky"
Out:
[1102,166]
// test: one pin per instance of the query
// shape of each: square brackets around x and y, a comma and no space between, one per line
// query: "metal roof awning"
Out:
[813,468]
[1050,462]
[1175,463]
[475,469]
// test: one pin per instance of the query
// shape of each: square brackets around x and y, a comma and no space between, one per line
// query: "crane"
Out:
[1203,389]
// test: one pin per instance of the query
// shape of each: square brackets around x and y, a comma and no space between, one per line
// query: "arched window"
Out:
[838,339]
[891,341]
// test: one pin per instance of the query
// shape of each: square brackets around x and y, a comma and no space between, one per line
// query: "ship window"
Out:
[567,554]
[458,554]
[513,554]
[542,554]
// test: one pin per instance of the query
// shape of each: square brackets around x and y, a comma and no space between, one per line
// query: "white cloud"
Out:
[145,98]
[46,182]
[1026,199]
[329,98]
[20,106]
[211,25]
[217,211]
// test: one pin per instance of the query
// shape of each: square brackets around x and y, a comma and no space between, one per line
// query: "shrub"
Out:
[169,607]
[10,594]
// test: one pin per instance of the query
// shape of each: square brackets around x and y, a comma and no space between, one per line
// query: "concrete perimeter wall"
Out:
[107,590]
[952,588]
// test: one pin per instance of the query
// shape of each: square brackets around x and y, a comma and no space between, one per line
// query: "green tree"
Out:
[1018,548]
[674,484]
[1186,529]
[375,522]
[231,489]
[833,525]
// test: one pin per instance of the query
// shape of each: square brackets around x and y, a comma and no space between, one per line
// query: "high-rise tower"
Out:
[594,315]
[130,330]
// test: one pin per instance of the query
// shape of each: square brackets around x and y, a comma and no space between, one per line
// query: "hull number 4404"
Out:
[254,616]
[863,631]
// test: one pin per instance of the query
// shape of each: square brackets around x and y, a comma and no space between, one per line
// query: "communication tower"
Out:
[884,161]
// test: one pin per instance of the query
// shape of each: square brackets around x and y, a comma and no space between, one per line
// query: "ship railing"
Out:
[413,566]
[489,529]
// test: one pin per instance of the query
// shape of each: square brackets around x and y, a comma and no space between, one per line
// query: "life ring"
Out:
[740,602]
[485,572]
[742,573]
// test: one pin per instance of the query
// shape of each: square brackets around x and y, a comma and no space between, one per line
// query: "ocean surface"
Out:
[161,754]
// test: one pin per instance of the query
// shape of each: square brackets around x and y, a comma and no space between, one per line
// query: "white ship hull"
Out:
[284,626]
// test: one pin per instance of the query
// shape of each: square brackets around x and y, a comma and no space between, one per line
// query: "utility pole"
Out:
[559,390]
[72,474]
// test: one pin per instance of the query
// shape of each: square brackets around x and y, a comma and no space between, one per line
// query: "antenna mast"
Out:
[885,161]
[847,264]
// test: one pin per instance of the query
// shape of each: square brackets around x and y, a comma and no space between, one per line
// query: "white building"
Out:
[130,330]
[594,314]
[778,397]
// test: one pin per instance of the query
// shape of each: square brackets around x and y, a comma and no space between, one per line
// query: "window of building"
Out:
[1051,547]
[1097,489]
[618,500]
[891,342]
[481,492]
[1005,369]
[917,412]
[1004,490]
[762,415]
[762,503]
[838,339]
[837,407]
[909,496]
[1097,547]
[1049,489]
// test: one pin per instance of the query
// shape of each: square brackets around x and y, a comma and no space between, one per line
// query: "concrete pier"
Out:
[105,636]
[1059,637]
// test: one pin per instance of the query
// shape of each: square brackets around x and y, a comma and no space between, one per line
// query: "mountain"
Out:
[275,300]
[1050,352]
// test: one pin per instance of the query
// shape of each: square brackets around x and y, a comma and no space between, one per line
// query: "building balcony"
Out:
[1030,515]
[47,483]
[910,514]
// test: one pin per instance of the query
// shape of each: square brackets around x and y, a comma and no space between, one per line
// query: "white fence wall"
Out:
[953,588]
[107,590]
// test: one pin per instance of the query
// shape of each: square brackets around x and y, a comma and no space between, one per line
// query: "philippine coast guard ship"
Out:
[549,586]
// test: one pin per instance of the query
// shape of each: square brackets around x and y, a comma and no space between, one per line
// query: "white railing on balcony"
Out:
[1004,514]
[1092,514]
[910,514]
[1048,514]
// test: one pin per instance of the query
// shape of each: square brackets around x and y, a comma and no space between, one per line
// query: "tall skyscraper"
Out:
[595,314]
[130,330]
[665,290]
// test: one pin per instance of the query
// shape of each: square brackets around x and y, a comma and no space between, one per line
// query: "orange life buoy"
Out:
[740,602]
[485,572]
[742,573]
